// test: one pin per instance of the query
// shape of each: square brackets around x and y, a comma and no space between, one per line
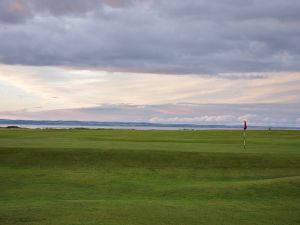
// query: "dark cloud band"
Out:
[179,37]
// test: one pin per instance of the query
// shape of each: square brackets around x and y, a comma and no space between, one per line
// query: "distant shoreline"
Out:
[61,124]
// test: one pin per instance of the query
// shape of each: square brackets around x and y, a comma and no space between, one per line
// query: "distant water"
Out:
[117,127]
[44,124]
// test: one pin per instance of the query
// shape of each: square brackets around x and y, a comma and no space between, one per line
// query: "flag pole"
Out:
[244,138]
[245,128]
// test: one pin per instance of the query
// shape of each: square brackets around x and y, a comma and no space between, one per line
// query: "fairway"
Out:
[129,177]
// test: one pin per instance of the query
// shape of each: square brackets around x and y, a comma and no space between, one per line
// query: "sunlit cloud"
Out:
[66,88]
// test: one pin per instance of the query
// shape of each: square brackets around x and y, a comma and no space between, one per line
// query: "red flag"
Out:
[245,125]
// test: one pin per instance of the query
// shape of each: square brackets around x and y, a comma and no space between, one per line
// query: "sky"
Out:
[162,61]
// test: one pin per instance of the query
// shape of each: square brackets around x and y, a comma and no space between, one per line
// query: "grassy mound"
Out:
[126,177]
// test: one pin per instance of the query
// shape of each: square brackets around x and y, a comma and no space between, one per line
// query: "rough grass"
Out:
[125,177]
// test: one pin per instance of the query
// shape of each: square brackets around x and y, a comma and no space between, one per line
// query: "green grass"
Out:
[126,177]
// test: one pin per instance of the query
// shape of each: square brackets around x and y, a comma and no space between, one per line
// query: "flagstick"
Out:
[245,128]
[244,139]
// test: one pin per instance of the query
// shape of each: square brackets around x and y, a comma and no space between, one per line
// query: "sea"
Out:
[60,124]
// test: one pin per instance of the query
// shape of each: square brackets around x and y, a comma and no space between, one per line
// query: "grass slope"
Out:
[125,177]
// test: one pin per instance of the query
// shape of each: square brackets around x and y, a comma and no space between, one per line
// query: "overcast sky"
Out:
[124,60]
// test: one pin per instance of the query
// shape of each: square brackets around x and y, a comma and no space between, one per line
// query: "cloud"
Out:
[20,11]
[14,11]
[247,117]
[151,36]
[235,76]
[55,87]
[195,120]
[207,114]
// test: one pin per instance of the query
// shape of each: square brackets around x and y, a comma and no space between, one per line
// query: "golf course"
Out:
[149,177]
